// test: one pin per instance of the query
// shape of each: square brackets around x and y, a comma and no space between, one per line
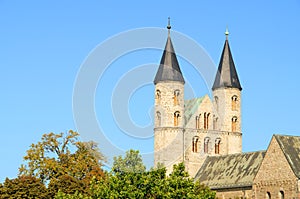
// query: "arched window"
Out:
[195,143]
[206,143]
[268,195]
[217,145]
[233,124]
[206,120]
[158,96]
[234,100]
[281,195]
[176,95]
[176,118]
[215,123]
[216,103]
[158,116]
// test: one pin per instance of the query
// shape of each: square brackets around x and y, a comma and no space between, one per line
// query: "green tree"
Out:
[204,191]
[124,182]
[23,187]
[131,163]
[180,185]
[67,184]
[62,154]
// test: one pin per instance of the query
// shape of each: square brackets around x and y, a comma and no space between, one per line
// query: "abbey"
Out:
[190,130]
[205,134]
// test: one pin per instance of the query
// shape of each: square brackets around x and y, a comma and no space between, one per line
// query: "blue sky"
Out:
[44,43]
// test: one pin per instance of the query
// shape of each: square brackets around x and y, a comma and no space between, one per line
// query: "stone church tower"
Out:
[227,99]
[190,130]
[169,108]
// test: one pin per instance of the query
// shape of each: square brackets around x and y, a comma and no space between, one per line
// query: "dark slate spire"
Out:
[169,69]
[226,76]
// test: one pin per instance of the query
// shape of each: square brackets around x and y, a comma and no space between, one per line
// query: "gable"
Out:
[192,108]
[290,145]
[230,171]
[275,165]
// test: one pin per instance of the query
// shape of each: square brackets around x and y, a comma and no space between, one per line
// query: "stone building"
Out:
[279,173]
[274,173]
[190,130]
[206,135]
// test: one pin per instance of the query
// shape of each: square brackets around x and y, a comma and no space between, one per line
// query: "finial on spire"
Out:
[226,33]
[169,25]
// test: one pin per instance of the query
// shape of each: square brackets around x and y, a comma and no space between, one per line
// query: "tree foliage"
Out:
[23,187]
[61,167]
[62,162]
[62,155]
[67,184]
[131,163]
[123,182]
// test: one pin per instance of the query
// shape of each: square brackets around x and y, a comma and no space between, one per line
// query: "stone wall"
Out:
[168,134]
[234,193]
[165,103]
[168,146]
[275,175]
[173,143]
[195,159]
[225,110]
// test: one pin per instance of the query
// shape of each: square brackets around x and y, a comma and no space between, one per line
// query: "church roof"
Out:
[190,107]
[290,146]
[230,171]
[169,69]
[226,76]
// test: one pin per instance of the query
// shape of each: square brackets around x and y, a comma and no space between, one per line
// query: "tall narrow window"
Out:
[234,100]
[216,103]
[217,146]
[206,143]
[195,144]
[158,116]
[176,118]
[158,96]
[268,195]
[233,124]
[206,120]
[176,95]
[281,195]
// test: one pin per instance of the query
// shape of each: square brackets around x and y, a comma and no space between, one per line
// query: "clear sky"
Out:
[43,45]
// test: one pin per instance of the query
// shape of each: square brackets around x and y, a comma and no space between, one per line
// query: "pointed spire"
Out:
[226,76]
[169,69]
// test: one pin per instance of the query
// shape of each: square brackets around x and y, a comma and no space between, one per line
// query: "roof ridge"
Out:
[236,154]
[195,98]
[286,135]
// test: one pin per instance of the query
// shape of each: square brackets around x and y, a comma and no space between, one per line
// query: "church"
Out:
[205,134]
